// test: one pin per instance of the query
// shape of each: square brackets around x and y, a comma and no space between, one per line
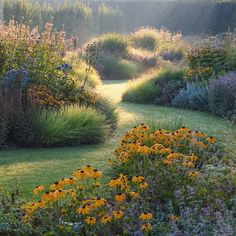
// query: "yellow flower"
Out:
[106,219]
[118,214]
[114,183]
[80,174]
[174,155]
[174,218]
[48,196]
[194,174]
[84,210]
[90,220]
[55,186]
[165,151]
[120,197]
[167,162]
[38,189]
[188,164]
[143,185]
[72,192]
[211,140]
[59,193]
[96,174]
[134,194]
[146,227]
[138,179]
[88,170]
[99,202]
[146,216]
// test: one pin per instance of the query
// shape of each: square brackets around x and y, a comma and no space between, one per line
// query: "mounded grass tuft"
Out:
[156,86]
[114,43]
[142,90]
[73,125]
[145,38]
[118,69]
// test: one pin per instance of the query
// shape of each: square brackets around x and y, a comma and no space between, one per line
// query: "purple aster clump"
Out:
[222,95]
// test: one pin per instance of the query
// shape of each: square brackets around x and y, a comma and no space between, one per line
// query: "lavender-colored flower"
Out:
[218,216]
[191,191]
[178,193]
[206,211]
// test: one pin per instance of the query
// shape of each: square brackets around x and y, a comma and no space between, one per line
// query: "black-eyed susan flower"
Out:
[114,183]
[146,216]
[194,174]
[134,194]
[146,227]
[106,219]
[118,214]
[211,140]
[38,189]
[120,197]
[55,186]
[48,196]
[88,170]
[174,218]
[188,164]
[96,174]
[80,174]
[90,220]
[98,202]
[84,210]
[167,162]
[143,185]
[138,179]
[59,193]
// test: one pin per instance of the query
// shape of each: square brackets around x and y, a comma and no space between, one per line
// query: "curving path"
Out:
[30,167]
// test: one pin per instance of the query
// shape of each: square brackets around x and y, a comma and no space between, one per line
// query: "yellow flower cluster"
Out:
[172,147]
[80,192]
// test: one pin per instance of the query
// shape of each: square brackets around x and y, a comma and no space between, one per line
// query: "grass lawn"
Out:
[30,167]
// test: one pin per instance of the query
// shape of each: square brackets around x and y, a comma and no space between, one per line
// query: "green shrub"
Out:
[117,69]
[114,43]
[73,125]
[211,54]
[194,96]
[142,90]
[170,81]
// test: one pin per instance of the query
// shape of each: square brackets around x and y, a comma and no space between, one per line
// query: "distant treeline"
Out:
[88,18]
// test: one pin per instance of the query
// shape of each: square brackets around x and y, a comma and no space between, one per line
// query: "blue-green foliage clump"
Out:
[193,96]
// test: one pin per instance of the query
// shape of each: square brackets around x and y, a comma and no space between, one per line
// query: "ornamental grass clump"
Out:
[85,204]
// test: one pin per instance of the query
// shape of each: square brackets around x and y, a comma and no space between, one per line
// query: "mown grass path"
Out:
[30,167]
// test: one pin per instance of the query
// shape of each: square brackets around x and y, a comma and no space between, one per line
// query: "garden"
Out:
[108,129]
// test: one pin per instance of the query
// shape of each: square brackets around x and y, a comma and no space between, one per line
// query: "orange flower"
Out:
[120,197]
[38,189]
[118,214]
[90,220]
[146,216]
[143,185]
[147,227]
